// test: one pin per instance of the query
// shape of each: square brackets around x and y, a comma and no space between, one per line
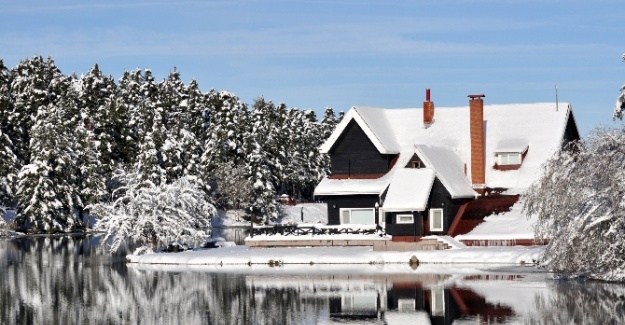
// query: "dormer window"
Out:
[416,164]
[506,159]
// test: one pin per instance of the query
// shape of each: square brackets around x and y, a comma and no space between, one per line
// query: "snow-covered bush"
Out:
[580,204]
[150,214]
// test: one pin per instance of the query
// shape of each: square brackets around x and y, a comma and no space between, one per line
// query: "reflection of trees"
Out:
[575,302]
[67,280]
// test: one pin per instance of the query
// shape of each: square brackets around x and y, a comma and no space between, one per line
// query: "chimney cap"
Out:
[476,96]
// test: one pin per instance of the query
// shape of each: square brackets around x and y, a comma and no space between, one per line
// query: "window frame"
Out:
[442,218]
[343,210]
[397,218]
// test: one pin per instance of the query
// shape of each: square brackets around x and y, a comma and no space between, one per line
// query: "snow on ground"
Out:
[505,226]
[516,255]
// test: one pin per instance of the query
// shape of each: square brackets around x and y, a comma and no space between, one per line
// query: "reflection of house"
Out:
[411,301]
[417,172]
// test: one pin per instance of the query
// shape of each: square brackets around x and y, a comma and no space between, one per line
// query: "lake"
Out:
[71,280]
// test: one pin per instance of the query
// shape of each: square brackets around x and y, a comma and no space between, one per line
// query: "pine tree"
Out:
[226,131]
[8,159]
[44,191]
[152,134]
[30,90]
[98,108]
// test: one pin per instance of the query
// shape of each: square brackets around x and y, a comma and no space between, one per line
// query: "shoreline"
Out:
[356,255]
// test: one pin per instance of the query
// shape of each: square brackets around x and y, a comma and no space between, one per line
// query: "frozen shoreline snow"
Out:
[244,255]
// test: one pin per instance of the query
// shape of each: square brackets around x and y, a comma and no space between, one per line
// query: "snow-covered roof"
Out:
[409,190]
[377,186]
[538,128]
[511,145]
[449,170]
[374,123]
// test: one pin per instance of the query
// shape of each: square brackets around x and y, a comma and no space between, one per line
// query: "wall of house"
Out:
[403,229]
[335,203]
[353,154]
[440,198]
[570,132]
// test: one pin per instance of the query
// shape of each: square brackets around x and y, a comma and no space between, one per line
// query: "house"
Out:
[427,171]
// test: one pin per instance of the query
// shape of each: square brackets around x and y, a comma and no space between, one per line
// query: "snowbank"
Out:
[504,226]
[516,255]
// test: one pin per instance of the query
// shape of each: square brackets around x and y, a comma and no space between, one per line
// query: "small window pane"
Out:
[405,218]
[345,217]
[514,159]
[363,216]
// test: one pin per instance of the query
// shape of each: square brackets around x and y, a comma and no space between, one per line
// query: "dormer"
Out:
[510,153]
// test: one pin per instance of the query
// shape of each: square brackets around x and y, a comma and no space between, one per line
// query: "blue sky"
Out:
[339,53]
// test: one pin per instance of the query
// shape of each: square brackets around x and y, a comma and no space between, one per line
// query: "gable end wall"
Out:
[353,154]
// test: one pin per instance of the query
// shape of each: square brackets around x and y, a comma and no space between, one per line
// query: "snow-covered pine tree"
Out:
[8,160]
[129,99]
[152,134]
[90,169]
[272,133]
[97,102]
[151,214]
[580,206]
[328,122]
[44,191]
[30,83]
[226,132]
[263,203]
[181,149]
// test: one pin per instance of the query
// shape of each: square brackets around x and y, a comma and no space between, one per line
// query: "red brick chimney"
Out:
[478,154]
[428,109]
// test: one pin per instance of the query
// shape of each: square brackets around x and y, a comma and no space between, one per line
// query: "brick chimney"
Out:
[428,109]
[478,154]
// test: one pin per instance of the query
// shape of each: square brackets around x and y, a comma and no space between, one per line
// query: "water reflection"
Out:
[68,280]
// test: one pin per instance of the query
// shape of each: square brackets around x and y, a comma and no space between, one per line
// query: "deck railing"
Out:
[296,230]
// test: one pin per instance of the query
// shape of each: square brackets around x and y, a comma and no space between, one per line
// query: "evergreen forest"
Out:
[65,139]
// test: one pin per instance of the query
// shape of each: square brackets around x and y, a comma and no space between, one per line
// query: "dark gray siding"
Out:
[570,133]
[335,203]
[404,229]
[440,198]
[353,153]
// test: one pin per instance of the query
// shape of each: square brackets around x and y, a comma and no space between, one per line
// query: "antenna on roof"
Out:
[556,97]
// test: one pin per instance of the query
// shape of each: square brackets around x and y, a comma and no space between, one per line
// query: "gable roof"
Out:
[409,190]
[374,123]
[449,170]
[537,128]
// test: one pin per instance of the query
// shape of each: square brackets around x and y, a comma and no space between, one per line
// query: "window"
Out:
[358,216]
[509,159]
[436,219]
[361,301]
[406,305]
[404,218]
[437,302]
[416,164]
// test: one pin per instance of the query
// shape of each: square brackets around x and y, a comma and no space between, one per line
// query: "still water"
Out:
[71,280]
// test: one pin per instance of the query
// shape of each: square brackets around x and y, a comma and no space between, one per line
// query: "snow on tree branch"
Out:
[150,214]
[580,204]
[619,107]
